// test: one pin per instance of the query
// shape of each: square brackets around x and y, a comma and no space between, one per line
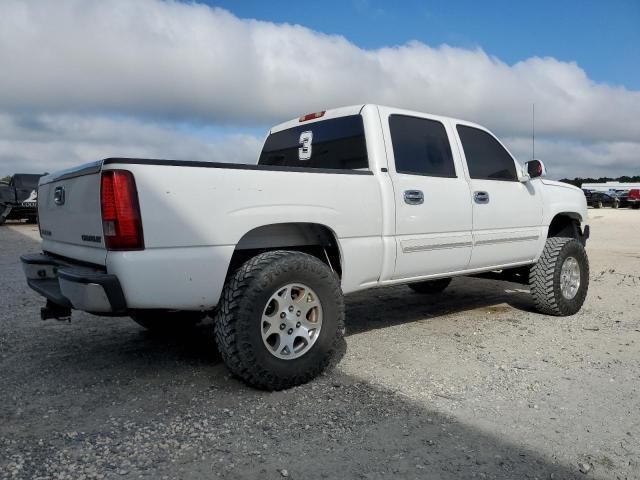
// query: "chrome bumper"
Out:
[75,286]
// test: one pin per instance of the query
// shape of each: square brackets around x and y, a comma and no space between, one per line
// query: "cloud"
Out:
[155,62]
[29,143]
[569,159]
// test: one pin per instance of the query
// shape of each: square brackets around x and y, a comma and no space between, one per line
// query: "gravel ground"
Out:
[468,384]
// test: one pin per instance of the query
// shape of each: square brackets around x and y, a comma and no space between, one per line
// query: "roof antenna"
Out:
[533,131]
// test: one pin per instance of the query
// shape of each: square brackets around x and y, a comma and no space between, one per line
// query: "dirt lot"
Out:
[468,384]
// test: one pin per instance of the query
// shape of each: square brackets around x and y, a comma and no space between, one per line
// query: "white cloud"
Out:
[569,159]
[29,143]
[166,61]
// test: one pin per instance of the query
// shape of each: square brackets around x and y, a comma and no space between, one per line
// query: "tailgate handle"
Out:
[58,196]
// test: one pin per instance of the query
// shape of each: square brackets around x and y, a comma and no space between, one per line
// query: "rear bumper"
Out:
[74,286]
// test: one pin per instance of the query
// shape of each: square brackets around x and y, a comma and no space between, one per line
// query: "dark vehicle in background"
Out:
[19,198]
[601,199]
[622,196]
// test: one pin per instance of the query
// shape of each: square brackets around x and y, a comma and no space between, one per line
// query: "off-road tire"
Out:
[430,287]
[544,277]
[167,322]
[239,317]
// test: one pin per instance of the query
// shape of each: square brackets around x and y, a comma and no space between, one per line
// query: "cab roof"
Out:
[355,110]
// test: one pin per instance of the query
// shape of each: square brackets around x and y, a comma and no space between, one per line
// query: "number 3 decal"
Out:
[304,152]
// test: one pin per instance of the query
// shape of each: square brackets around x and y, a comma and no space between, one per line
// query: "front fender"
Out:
[562,198]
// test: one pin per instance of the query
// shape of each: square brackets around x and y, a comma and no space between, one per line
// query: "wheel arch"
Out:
[316,239]
[567,224]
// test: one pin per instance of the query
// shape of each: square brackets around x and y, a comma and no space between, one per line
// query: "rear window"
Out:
[338,143]
[421,147]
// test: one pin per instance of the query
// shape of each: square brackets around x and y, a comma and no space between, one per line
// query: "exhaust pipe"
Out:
[53,310]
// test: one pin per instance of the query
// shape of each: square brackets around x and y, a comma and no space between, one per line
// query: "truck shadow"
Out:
[365,311]
[73,391]
[385,307]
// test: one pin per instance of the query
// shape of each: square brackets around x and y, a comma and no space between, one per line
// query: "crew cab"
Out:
[339,201]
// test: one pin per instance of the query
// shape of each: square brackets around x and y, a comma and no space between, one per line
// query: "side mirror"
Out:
[535,169]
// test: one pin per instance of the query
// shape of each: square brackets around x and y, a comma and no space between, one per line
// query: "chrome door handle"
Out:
[481,197]
[413,197]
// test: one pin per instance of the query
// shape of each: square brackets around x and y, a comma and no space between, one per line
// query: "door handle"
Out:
[481,197]
[58,196]
[413,197]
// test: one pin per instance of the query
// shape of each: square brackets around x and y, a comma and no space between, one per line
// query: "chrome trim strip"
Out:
[507,240]
[439,246]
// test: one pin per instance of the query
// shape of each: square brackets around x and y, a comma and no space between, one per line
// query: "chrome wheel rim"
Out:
[570,278]
[291,321]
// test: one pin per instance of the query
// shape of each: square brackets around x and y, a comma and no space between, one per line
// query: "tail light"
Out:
[121,223]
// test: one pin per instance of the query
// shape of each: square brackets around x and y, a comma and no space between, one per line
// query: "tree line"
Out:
[579,181]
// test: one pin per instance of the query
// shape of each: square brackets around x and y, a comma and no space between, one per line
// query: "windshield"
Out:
[338,143]
[26,181]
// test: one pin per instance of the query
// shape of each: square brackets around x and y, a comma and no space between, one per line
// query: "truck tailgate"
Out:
[70,216]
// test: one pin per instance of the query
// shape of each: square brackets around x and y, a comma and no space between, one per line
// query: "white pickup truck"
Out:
[339,201]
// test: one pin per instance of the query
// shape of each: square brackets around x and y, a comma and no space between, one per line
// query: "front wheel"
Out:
[560,279]
[280,320]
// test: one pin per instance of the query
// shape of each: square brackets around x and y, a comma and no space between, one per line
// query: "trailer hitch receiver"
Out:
[53,310]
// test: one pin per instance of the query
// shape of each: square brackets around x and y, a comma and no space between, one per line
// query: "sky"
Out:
[89,79]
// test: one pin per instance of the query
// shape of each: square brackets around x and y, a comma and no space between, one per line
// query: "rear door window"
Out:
[421,146]
[486,158]
[338,143]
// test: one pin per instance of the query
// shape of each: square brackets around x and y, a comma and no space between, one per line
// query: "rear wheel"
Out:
[599,204]
[616,204]
[163,321]
[280,320]
[430,286]
[560,279]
